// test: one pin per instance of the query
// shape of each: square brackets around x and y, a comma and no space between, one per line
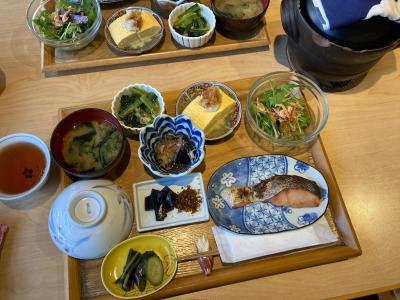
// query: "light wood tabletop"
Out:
[362,140]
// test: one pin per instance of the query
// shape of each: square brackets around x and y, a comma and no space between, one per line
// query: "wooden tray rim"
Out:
[269,265]
[48,63]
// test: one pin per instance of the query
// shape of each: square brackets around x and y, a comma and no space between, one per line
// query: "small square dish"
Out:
[146,219]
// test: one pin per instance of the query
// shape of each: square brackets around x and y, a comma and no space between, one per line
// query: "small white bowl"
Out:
[192,42]
[34,140]
[125,91]
[89,217]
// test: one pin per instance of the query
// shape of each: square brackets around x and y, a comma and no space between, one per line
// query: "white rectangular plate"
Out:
[146,220]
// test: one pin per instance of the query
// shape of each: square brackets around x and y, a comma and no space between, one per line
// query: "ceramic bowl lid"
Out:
[89,217]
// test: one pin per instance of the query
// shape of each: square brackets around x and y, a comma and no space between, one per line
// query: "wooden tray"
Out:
[98,54]
[83,277]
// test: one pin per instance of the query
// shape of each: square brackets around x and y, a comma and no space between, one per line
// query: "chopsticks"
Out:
[196,256]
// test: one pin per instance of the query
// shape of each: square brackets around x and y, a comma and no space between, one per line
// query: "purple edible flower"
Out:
[79,19]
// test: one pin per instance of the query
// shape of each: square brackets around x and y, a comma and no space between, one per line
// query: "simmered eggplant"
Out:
[160,211]
[161,202]
[168,198]
[175,152]
[151,200]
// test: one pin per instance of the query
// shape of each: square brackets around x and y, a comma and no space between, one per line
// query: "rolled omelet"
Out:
[134,39]
[209,121]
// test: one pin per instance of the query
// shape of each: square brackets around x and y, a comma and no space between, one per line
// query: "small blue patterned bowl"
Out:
[151,135]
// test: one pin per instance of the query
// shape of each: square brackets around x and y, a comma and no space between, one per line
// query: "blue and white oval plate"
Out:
[262,217]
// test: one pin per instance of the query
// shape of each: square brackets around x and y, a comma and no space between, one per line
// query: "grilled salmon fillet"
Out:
[281,190]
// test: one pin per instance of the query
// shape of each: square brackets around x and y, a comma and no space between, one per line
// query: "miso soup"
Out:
[240,9]
[91,146]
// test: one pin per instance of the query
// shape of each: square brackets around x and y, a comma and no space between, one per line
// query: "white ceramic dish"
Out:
[125,91]
[192,42]
[146,220]
[90,217]
[27,138]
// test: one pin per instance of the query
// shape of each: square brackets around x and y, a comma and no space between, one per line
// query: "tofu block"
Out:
[210,121]
[130,39]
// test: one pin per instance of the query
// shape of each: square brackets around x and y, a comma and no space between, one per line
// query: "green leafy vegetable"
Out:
[191,23]
[67,21]
[139,108]
[281,111]
[91,146]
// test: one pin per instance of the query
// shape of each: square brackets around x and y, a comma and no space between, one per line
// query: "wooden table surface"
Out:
[362,139]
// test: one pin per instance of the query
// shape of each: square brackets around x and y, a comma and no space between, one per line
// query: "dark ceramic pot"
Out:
[325,57]
[229,24]
[68,123]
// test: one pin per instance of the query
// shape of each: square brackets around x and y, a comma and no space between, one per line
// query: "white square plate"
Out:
[146,220]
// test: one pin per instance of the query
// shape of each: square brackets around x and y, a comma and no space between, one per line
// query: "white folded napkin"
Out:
[235,247]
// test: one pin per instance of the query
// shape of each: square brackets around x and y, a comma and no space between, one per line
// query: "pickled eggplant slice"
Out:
[154,269]
[125,281]
[139,276]
[128,259]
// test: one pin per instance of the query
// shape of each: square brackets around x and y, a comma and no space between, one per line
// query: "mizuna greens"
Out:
[281,111]
[68,20]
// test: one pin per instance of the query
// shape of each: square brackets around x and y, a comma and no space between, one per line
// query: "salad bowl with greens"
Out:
[67,24]
[285,111]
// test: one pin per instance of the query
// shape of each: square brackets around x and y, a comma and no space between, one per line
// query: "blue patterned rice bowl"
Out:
[151,135]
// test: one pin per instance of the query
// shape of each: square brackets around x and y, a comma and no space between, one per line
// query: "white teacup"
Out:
[34,140]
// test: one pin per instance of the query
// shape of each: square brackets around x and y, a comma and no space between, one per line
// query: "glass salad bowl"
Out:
[64,23]
[285,112]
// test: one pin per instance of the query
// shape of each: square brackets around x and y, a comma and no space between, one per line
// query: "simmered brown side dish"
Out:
[174,152]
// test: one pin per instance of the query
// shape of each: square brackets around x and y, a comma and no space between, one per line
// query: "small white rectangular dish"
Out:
[146,220]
